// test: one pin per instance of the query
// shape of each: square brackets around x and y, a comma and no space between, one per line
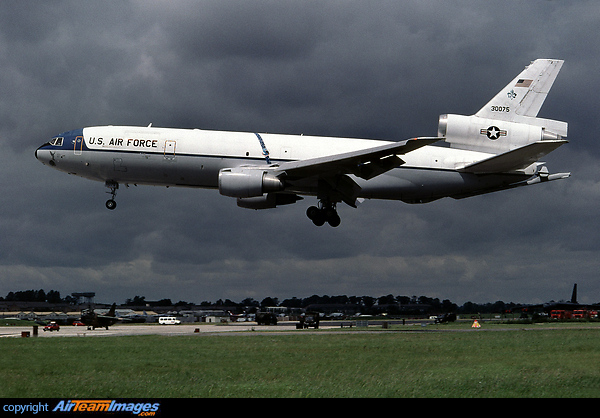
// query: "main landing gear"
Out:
[325,212]
[113,186]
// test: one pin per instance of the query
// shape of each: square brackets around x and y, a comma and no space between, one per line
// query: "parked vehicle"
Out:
[310,320]
[560,314]
[266,318]
[445,318]
[168,320]
[52,326]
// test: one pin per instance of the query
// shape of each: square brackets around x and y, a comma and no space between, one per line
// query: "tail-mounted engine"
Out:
[245,182]
[497,136]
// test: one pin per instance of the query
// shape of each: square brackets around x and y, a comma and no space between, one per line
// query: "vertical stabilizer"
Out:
[525,94]
[113,310]
[509,121]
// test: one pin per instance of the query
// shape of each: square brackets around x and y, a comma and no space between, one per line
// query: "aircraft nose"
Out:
[37,151]
[42,154]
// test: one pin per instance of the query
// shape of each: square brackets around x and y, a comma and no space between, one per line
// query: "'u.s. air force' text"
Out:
[124,142]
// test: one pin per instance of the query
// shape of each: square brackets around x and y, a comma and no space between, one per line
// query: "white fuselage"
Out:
[193,158]
[497,148]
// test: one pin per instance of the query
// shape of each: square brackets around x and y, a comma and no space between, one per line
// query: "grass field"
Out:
[523,362]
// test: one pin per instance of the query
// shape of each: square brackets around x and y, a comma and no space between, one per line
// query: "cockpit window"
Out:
[56,141]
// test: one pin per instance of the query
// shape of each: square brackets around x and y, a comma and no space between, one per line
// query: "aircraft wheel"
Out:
[333,218]
[312,212]
[319,218]
[316,215]
[111,204]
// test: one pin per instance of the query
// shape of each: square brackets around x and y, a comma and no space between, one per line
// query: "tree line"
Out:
[53,296]
[389,304]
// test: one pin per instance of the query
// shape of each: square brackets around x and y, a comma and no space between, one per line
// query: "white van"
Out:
[168,320]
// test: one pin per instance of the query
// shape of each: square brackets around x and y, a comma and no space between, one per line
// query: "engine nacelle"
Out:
[244,182]
[268,201]
[497,136]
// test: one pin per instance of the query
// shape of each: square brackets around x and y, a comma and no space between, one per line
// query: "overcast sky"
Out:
[367,69]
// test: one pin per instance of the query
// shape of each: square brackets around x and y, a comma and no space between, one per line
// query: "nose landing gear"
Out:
[325,212]
[113,186]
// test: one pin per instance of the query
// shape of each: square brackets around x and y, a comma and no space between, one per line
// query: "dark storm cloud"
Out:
[382,69]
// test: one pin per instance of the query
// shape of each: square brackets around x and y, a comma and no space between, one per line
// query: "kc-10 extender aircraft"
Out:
[495,149]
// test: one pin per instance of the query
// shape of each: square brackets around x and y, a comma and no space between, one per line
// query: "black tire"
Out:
[312,212]
[319,219]
[333,219]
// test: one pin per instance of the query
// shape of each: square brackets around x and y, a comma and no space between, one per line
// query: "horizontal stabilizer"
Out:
[516,159]
[534,180]
[548,177]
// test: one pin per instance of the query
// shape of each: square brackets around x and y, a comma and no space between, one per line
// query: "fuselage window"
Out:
[56,141]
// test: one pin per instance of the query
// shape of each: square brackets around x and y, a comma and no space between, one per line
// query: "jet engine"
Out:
[496,135]
[244,182]
[268,201]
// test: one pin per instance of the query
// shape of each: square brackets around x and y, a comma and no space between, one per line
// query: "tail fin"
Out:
[524,95]
[112,310]
[509,121]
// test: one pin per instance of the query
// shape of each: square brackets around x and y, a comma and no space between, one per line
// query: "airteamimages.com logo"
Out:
[79,406]
[142,409]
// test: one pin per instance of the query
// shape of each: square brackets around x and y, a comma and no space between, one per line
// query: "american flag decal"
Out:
[523,82]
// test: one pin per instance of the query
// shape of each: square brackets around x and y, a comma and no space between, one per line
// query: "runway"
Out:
[152,329]
[251,328]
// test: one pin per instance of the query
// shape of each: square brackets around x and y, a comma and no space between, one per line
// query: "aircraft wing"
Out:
[366,163]
[515,159]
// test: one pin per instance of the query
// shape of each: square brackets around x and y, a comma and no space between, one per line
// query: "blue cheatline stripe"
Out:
[264,148]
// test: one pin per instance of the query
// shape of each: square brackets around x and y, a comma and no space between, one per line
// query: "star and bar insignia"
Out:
[493,132]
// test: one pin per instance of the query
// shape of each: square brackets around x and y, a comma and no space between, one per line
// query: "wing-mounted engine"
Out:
[255,188]
[496,136]
[268,200]
[246,182]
